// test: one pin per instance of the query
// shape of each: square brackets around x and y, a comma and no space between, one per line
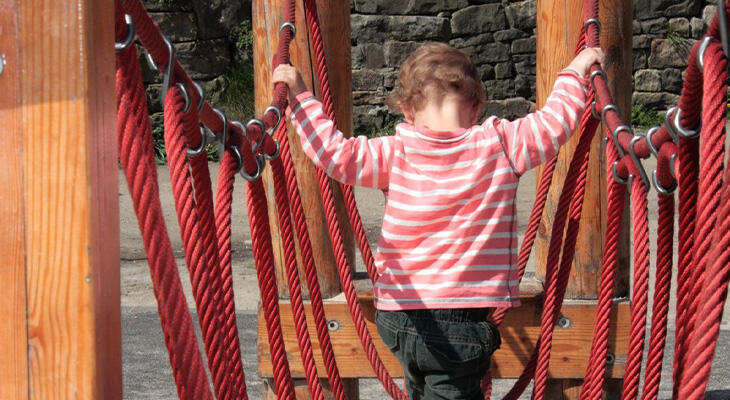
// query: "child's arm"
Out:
[536,138]
[354,161]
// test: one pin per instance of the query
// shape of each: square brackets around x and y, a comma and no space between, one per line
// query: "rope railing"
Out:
[703,258]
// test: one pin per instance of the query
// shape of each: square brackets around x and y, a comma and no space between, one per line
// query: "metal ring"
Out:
[661,189]
[668,123]
[618,178]
[184,91]
[131,32]
[168,69]
[239,159]
[590,21]
[672,160]
[201,95]
[594,113]
[701,52]
[637,161]
[260,123]
[609,107]
[276,111]
[275,153]
[203,141]
[649,135]
[241,126]
[224,133]
[618,129]
[259,168]
[685,133]
[291,26]
[593,75]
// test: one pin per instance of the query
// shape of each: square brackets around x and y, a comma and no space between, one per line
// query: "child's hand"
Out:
[585,59]
[291,77]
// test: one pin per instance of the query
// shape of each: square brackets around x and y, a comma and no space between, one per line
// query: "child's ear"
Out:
[407,112]
[475,113]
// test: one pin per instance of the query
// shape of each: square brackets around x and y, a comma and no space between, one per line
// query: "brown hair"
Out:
[435,69]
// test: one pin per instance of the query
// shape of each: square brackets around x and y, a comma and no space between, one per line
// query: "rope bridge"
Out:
[685,163]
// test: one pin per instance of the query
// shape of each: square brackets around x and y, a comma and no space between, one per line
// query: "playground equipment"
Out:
[63,335]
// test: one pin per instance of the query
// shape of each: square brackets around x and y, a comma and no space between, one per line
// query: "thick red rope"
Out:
[135,152]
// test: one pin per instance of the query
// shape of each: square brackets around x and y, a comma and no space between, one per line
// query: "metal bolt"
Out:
[564,322]
[2,63]
[610,358]
[333,325]
[88,279]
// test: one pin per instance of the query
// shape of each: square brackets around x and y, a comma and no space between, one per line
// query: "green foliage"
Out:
[237,100]
[675,38]
[644,117]
[242,36]
[158,141]
[372,131]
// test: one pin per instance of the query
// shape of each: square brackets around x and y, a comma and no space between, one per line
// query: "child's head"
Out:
[433,71]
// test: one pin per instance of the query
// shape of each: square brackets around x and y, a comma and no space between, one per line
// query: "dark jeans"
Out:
[444,353]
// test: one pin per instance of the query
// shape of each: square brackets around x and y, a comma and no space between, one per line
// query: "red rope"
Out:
[223,210]
[698,361]
[295,288]
[305,249]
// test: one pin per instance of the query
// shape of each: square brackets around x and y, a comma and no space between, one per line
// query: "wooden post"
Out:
[558,29]
[61,337]
[334,15]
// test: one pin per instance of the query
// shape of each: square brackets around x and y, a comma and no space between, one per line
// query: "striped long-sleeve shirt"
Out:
[448,237]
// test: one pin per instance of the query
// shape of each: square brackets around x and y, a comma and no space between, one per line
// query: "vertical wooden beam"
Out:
[558,29]
[14,328]
[334,15]
[62,232]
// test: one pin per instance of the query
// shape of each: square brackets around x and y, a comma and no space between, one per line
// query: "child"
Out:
[448,246]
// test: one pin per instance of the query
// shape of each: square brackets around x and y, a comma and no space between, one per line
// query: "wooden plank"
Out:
[70,190]
[14,328]
[520,331]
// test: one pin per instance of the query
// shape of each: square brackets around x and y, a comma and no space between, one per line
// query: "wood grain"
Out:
[14,328]
[520,330]
[70,190]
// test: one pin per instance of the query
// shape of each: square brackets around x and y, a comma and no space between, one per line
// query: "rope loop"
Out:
[617,177]
[275,153]
[203,142]
[658,186]
[259,168]
[131,32]
[592,21]
[668,123]
[260,123]
[594,74]
[186,96]
[609,107]
[621,151]
[649,135]
[276,111]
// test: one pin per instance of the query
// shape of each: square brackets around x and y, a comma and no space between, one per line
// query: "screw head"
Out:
[564,322]
[333,325]
[2,63]
[610,358]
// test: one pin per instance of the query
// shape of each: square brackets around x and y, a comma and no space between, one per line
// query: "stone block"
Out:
[396,52]
[368,117]
[366,80]
[168,5]
[478,19]
[368,55]
[525,86]
[216,18]
[510,109]
[680,26]
[655,101]
[672,80]
[471,41]
[641,41]
[697,27]
[500,89]
[639,60]
[205,59]
[490,53]
[401,7]
[636,27]
[707,13]
[508,35]
[666,54]
[527,45]
[522,15]
[643,9]
[655,25]
[675,8]
[504,70]
[360,98]
[376,28]
[525,68]
[177,26]
[486,72]
[390,77]
[647,80]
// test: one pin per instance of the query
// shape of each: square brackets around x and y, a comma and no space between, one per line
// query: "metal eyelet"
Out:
[199,150]
[685,133]
[701,52]
[593,21]
[224,133]
[661,189]
[131,32]
[239,159]
[260,123]
[168,69]
[592,76]
[668,123]
[186,96]
[617,178]
[609,107]
[259,168]
[618,129]
[594,113]
[637,161]
[291,26]
[649,135]
[201,95]
[276,111]
[275,153]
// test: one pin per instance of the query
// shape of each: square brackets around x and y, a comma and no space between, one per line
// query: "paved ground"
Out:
[146,367]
